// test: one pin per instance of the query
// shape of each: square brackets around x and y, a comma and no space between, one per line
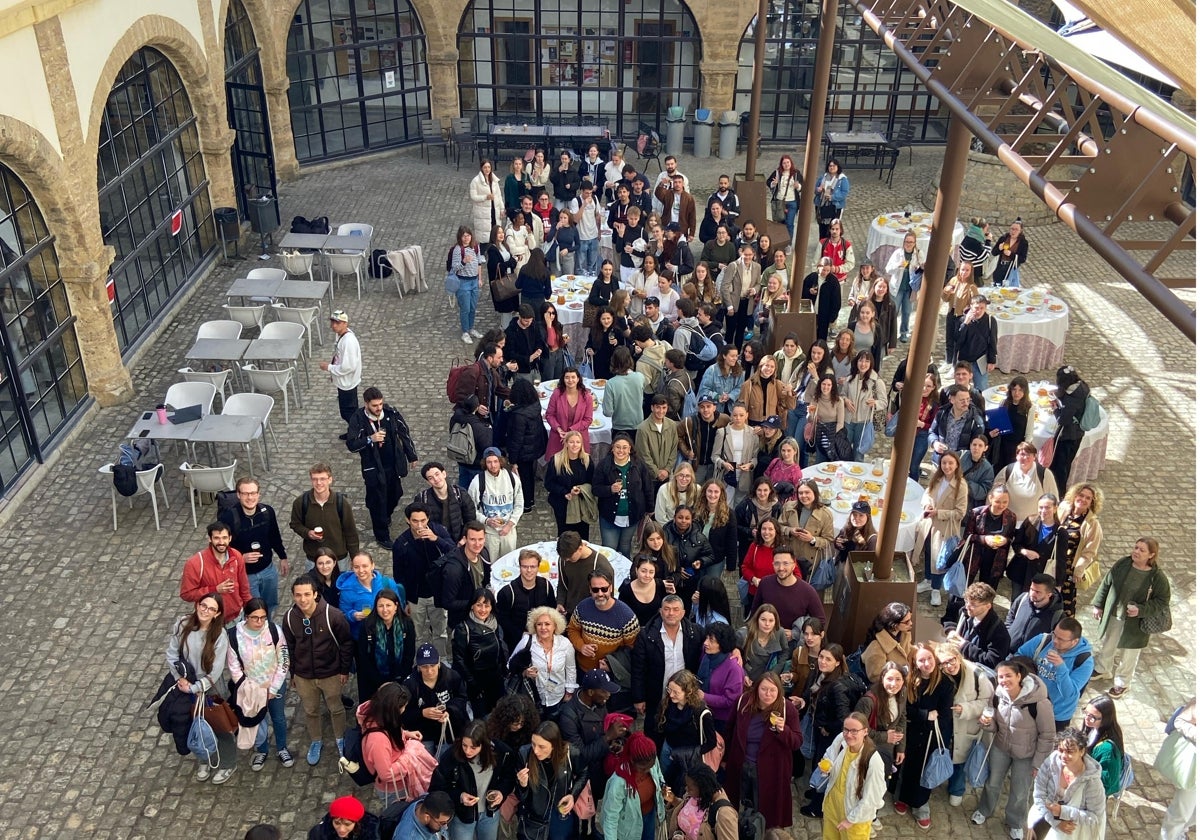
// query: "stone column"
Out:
[443,83]
[718,78]
[279,113]
[215,144]
[84,272]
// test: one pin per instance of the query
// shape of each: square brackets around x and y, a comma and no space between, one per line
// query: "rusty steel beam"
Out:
[971,66]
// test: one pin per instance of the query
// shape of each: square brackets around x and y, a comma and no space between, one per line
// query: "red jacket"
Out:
[759,562]
[202,573]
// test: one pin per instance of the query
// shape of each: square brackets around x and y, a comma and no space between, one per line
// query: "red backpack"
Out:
[457,366]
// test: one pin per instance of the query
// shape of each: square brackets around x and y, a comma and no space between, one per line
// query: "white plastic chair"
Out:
[219,329]
[219,379]
[358,229]
[183,394]
[258,406]
[305,316]
[149,482]
[250,317]
[347,264]
[274,382]
[298,265]
[206,480]
[267,274]
[283,329]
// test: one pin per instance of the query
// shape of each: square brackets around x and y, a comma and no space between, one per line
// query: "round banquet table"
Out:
[1031,329]
[601,430]
[842,482]
[1093,449]
[574,290]
[506,570]
[888,230]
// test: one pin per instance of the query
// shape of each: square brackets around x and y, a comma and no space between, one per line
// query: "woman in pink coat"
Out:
[570,409]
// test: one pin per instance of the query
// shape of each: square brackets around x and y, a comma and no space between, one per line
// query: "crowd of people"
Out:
[589,705]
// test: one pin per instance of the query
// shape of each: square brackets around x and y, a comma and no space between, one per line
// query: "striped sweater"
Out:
[608,630]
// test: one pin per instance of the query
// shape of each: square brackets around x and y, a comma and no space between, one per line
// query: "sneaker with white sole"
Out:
[1016,834]
[476,334]
[340,744]
[935,598]
[466,337]
[222,776]
[978,818]
[203,772]
[285,757]
[955,801]
[258,762]
[924,586]
[314,753]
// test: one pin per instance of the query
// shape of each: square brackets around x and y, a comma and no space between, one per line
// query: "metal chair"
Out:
[258,406]
[149,482]
[183,394]
[432,135]
[347,264]
[305,316]
[250,317]
[219,379]
[462,136]
[274,382]
[206,480]
[903,138]
[219,329]
[647,146]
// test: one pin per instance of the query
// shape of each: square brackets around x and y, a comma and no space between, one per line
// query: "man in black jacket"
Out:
[378,433]
[527,592]
[255,533]
[653,664]
[465,569]
[582,724]
[447,505]
[979,633]
[413,555]
[1034,613]
[955,425]
[523,344]
[321,651]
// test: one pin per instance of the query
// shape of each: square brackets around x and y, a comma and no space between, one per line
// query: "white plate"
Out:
[841,506]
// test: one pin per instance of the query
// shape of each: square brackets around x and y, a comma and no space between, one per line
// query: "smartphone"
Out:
[143,432]
[147,415]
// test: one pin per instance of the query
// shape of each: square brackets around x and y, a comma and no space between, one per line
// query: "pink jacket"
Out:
[558,415]
[407,771]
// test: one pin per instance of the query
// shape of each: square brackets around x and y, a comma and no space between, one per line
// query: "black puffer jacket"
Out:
[367,829]
[480,655]
[831,705]
[640,490]
[527,437]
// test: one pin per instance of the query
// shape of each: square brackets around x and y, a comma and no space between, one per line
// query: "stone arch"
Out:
[184,52]
[28,153]
[262,21]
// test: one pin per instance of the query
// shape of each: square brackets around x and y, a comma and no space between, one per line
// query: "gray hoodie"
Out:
[1018,732]
[1083,801]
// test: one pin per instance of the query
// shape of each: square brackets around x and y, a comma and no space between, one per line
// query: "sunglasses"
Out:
[596,590]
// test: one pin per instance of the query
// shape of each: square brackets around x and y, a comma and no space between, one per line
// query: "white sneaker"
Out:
[1016,834]
[924,586]
[955,801]
[476,334]
[222,776]
[203,772]
[466,337]
[978,818]
[935,598]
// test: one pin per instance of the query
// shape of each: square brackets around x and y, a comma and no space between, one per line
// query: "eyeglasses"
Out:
[207,608]
[852,731]
[256,618]
[1090,716]
[307,622]
[948,663]
[596,590]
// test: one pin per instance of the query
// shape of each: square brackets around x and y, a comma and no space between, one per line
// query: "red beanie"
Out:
[347,808]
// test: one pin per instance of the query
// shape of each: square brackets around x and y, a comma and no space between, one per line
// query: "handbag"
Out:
[1160,623]
[585,803]
[810,432]
[947,556]
[977,768]
[824,574]
[716,755]
[867,439]
[1090,577]
[778,209]
[819,780]
[201,740]
[939,765]
[504,287]
[889,428]
[808,744]
[955,581]
[220,715]
[453,283]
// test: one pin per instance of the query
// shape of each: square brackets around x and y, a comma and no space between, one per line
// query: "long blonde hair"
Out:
[562,461]
[691,496]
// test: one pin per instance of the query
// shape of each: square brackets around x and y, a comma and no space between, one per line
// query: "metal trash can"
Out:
[702,124]
[676,125]
[727,143]
[229,229]
[264,218]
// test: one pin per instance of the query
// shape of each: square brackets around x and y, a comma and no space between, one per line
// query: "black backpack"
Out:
[226,500]
[351,762]
[751,825]
[433,578]
[379,267]
[319,224]
[389,817]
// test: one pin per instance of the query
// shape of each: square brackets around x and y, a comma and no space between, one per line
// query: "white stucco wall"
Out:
[25,97]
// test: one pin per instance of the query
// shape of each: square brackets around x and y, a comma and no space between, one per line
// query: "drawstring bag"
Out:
[977,769]
[201,740]
[939,765]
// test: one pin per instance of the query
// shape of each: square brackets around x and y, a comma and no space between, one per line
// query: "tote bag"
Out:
[939,765]
[977,769]
[201,740]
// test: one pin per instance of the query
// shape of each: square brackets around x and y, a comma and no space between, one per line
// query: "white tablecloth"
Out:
[843,482]
[506,569]
[601,430]
[1093,449]
[1031,329]
[887,234]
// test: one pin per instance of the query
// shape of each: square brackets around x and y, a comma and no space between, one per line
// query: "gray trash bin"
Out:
[675,130]
[702,122]
[228,228]
[264,218]
[727,144]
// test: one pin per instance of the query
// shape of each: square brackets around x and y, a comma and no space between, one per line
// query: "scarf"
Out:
[975,232]
[709,663]
[389,645]
[490,623]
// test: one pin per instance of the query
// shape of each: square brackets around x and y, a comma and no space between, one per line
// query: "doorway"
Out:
[655,63]
[514,64]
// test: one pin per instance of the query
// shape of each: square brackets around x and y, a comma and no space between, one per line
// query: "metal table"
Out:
[579,137]
[232,428]
[245,287]
[346,243]
[514,136]
[276,350]
[219,349]
[147,426]
[302,290]
[304,241]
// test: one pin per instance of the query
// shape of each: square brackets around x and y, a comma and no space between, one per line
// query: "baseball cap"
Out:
[673,226]
[598,679]
[428,655]
[772,422]
[860,507]
[339,315]
[704,400]
[491,450]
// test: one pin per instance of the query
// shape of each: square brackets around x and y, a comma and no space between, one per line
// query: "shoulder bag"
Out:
[220,715]
[504,287]
[1160,623]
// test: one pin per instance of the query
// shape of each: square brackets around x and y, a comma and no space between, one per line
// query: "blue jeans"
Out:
[854,431]
[484,828]
[275,713]
[789,217]
[587,260]
[957,785]
[618,539]
[650,821]
[920,447]
[565,828]
[905,305]
[979,374]
[468,298]
[265,585]
[797,417]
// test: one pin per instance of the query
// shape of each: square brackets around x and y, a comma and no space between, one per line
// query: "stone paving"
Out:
[86,612]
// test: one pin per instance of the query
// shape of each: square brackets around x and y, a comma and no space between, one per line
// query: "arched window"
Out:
[359,78]
[42,381]
[149,166]
[556,61]
[252,156]
[869,89]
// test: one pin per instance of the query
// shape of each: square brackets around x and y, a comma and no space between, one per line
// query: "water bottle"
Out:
[162,414]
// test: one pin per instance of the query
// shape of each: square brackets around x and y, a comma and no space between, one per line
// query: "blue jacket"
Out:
[621,809]
[713,384]
[354,597]
[1065,682]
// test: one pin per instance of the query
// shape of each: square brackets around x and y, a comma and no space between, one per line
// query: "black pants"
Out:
[528,472]
[735,324]
[952,322]
[383,495]
[1064,457]
[347,403]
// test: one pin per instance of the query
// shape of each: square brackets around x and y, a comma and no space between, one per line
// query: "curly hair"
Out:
[722,514]
[693,694]
[512,709]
